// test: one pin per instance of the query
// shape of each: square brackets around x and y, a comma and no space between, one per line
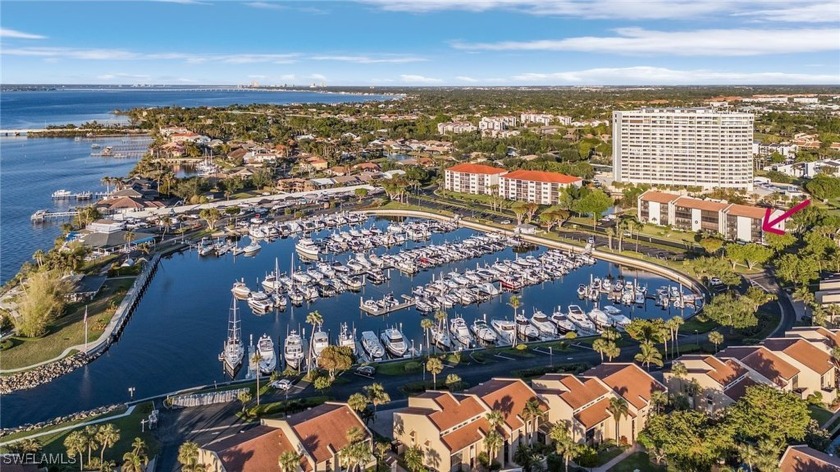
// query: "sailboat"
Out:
[233,350]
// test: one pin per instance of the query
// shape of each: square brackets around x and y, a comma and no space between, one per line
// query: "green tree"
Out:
[361,193]
[315,319]
[90,440]
[711,245]
[797,269]
[335,358]
[520,210]
[715,338]
[453,382]
[322,383]
[689,440]
[593,203]
[648,354]
[564,445]
[377,395]
[41,302]
[434,366]
[779,242]
[106,436]
[600,346]
[531,413]
[426,324]
[188,457]
[414,458]
[75,444]
[824,187]
[492,443]
[244,397]
[210,216]
[765,413]
[289,461]
[730,309]
[618,408]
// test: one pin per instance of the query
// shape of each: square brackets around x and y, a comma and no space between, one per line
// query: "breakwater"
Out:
[82,415]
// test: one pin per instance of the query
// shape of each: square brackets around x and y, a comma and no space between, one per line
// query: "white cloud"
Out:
[320,77]
[645,75]
[823,12]
[390,59]
[464,78]
[266,5]
[122,54]
[419,79]
[711,42]
[624,9]
[15,34]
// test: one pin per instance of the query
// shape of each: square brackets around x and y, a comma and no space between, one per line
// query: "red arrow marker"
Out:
[768,224]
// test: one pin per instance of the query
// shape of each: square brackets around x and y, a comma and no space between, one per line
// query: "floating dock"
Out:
[408,302]
[43,215]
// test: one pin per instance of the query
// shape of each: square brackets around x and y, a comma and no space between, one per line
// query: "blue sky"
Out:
[422,42]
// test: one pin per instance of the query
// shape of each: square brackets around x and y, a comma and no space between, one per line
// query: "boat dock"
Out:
[43,215]
[59,195]
[408,302]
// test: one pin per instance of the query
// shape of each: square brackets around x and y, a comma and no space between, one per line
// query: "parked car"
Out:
[282,384]
[368,370]
[715,282]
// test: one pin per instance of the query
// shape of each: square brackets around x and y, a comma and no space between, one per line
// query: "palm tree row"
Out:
[101,437]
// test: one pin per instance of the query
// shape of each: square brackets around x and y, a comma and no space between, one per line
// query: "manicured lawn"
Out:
[69,330]
[640,461]
[609,454]
[400,367]
[694,324]
[820,414]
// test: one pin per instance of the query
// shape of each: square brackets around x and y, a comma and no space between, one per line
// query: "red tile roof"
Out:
[541,176]
[594,415]
[725,371]
[323,429]
[579,391]
[803,352]
[659,197]
[469,434]
[754,212]
[476,169]
[698,204]
[805,459]
[739,388]
[506,395]
[763,361]
[454,410]
[254,450]
[628,380]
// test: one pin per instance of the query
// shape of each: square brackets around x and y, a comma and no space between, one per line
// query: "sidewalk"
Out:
[127,412]
[624,455]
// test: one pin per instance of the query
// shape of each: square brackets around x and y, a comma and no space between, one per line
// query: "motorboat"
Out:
[293,350]
[600,318]
[240,290]
[524,328]
[279,300]
[483,332]
[506,330]
[440,337]
[62,194]
[251,248]
[564,325]
[394,342]
[460,331]
[582,291]
[307,247]
[372,346]
[320,341]
[347,338]
[233,350]
[260,302]
[268,358]
[543,324]
[579,318]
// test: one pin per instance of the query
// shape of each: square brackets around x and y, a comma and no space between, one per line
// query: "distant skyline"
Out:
[421,42]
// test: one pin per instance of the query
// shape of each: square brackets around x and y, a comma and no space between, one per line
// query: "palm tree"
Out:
[515,302]
[381,449]
[493,442]
[426,324]
[357,452]
[129,237]
[414,458]
[314,318]
[255,359]
[564,445]
[90,440]
[693,389]
[495,418]
[610,235]
[288,461]
[75,444]
[532,412]
[676,322]
[377,395]
[600,346]
[434,366]
[618,408]
[611,350]
[649,354]
[133,462]
[244,397]
[107,436]
[715,338]
[440,317]
[611,334]
[358,402]
[453,381]
[748,453]
[659,398]
[679,370]
[188,456]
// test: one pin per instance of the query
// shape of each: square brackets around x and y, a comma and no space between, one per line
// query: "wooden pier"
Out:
[43,215]
[407,303]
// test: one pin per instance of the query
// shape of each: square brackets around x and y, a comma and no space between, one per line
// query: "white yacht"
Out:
[459,330]
[240,290]
[619,320]
[260,302]
[600,318]
[233,350]
[293,350]
[347,338]
[524,329]
[307,247]
[440,338]
[544,325]
[372,346]
[483,332]
[252,248]
[578,317]
[564,325]
[320,341]
[394,342]
[268,358]
[506,330]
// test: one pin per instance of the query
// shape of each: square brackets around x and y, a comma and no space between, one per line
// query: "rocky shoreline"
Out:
[61,419]
[44,373]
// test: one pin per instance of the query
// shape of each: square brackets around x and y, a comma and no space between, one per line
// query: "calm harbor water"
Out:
[176,333]
[32,169]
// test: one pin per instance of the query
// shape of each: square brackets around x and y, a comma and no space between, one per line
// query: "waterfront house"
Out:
[535,186]
[476,179]
[318,434]
[84,287]
[293,185]
[805,459]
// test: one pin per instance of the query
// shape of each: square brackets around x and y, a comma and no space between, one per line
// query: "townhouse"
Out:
[456,127]
[450,427]
[800,363]
[535,186]
[733,221]
[476,179]
[805,459]
[318,435]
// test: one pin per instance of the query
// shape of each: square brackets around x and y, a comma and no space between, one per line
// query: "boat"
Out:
[233,350]
[600,318]
[320,341]
[564,325]
[279,300]
[619,320]
[268,358]
[543,324]
[506,330]
[582,291]
[260,302]
[524,328]
[483,332]
[240,290]
[460,331]
[293,350]
[252,248]
[62,194]
[578,317]
[394,342]
[307,247]
[347,338]
[440,337]
[372,346]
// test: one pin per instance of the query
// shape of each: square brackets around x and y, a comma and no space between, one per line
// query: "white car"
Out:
[282,384]
[714,281]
